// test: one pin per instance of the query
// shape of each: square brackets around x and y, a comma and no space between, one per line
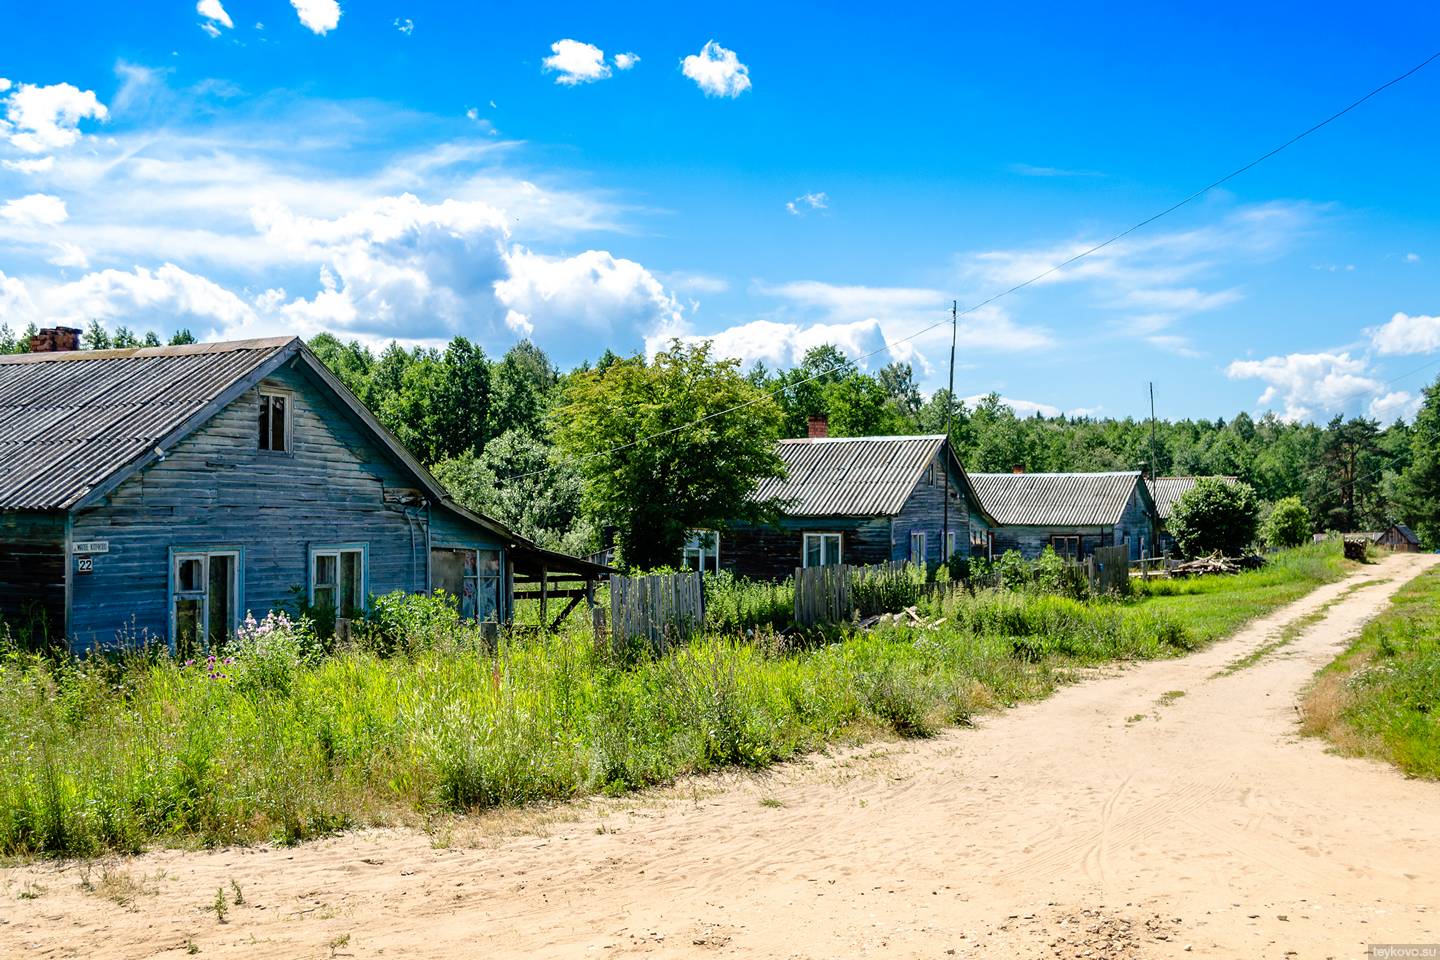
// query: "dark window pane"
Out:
[189,626]
[324,570]
[352,583]
[264,422]
[189,575]
[222,600]
[278,439]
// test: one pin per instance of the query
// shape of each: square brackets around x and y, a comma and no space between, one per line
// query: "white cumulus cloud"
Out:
[43,118]
[624,61]
[576,62]
[717,71]
[214,12]
[318,16]
[1309,385]
[404,25]
[595,289]
[36,209]
[1403,334]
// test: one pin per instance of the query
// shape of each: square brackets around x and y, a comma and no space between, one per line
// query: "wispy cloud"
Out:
[807,202]
[1031,170]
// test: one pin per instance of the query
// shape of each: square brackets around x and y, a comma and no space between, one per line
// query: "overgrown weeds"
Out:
[284,743]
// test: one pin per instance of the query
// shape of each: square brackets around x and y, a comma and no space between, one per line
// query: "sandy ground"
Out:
[1115,818]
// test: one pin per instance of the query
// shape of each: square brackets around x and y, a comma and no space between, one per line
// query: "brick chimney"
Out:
[1017,469]
[55,340]
[819,427]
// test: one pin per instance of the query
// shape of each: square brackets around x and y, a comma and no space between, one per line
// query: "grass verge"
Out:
[1381,697]
[102,755]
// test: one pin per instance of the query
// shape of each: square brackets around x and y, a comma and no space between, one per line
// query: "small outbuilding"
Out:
[1074,513]
[1397,537]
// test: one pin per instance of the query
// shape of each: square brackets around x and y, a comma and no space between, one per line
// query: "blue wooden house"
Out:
[855,500]
[161,493]
[1071,512]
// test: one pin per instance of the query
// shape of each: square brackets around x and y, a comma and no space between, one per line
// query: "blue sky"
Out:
[770,176]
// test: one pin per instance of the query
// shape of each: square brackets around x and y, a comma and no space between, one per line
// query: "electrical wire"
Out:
[954,318]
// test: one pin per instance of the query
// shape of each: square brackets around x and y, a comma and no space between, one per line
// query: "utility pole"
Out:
[949,415]
[1154,466]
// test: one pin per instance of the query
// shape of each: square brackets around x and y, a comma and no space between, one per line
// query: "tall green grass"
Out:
[285,743]
[1381,697]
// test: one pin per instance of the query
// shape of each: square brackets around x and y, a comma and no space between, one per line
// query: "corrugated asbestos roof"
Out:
[1055,499]
[70,420]
[849,476]
[1166,490]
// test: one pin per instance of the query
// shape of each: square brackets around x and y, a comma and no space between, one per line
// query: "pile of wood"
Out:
[909,617]
[1355,549]
[1215,563]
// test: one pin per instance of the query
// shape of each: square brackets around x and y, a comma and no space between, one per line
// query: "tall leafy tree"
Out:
[1419,485]
[658,455]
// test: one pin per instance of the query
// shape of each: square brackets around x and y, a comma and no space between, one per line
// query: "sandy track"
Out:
[1058,827]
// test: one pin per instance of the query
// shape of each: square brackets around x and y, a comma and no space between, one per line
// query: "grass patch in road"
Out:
[1291,631]
[1216,606]
[1381,697]
[1170,696]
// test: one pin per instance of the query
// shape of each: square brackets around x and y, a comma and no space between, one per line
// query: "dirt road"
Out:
[1166,810]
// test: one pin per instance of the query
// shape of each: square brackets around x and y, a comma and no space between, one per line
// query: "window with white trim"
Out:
[952,543]
[204,599]
[820,549]
[702,551]
[337,579]
[274,422]
[917,546]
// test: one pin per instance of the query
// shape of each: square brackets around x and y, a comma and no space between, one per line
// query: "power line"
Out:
[1017,287]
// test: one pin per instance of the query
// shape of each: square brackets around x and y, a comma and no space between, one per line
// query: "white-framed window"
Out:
[702,551]
[337,578]
[470,575]
[930,475]
[205,600]
[274,427]
[917,546]
[820,549]
[952,543]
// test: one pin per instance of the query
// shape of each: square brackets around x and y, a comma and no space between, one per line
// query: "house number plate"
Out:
[84,564]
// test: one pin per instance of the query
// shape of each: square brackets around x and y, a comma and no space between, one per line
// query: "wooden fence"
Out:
[662,609]
[1110,569]
[836,594]
[822,595]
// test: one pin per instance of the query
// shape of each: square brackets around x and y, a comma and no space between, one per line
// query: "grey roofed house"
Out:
[1072,512]
[163,492]
[853,500]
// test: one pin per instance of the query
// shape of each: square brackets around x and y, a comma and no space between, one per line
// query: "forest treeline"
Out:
[494,430]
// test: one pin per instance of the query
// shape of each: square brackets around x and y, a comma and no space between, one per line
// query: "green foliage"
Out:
[521,482]
[1419,485]
[284,744]
[648,471]
[1215,516]
[1288,524]
[1389,683]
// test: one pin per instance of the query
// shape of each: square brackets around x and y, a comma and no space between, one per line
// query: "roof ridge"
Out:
[175,350]
[893,436]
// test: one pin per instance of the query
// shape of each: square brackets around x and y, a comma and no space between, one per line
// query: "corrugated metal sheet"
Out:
[1166,490]
[70,420]
[1055,499]
[850,476]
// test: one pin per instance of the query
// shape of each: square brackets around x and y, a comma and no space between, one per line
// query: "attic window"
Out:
[275,422]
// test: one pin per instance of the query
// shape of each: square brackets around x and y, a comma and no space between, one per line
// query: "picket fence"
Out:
[662,609]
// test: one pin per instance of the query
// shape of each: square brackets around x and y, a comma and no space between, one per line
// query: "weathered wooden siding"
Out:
[773,552]
[216,490]
[925,510]
[32,572]
[1136,526]
[1031,541]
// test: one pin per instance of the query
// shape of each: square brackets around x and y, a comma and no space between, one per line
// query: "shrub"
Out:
[266,655]
[402,622]
[1215,515]
[1288,524]
[1013,571]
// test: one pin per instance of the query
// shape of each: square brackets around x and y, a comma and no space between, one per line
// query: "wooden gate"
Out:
[1111,566]
[662,609]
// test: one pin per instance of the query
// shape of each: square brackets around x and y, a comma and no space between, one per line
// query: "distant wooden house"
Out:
[1072,512]
[1397,537]
[162,493]
[1166,491]
[854,500]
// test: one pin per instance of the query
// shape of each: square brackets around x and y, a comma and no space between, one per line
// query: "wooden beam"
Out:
[544,591]
[553,594]
[574,602]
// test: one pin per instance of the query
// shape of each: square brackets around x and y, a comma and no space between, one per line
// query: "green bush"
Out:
[1214,516]
[1288,524]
